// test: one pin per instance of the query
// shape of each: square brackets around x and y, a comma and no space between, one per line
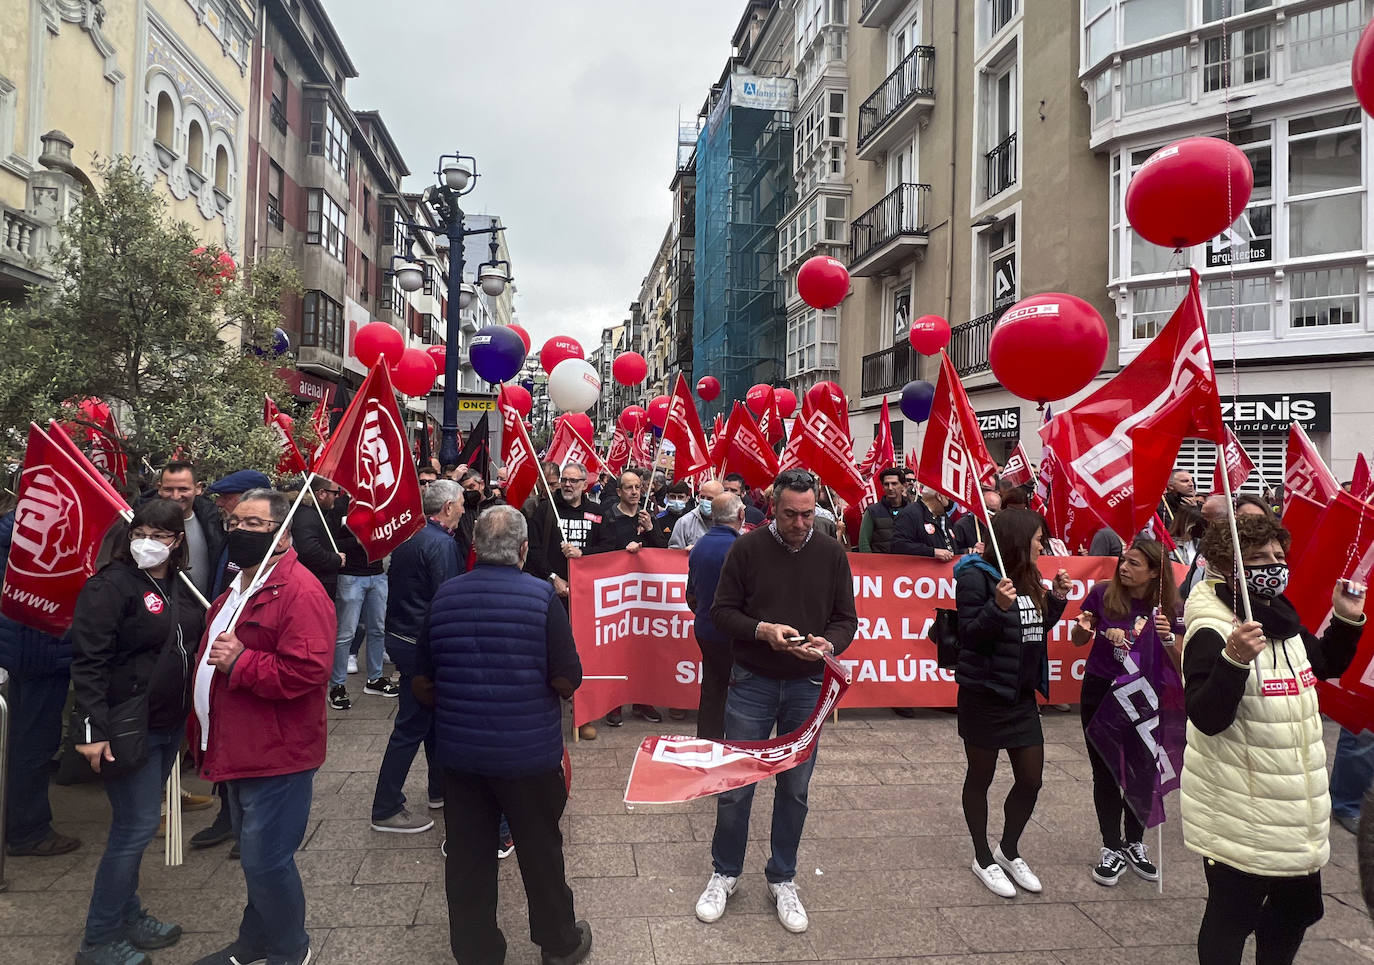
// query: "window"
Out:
[222,170]
[278,106]
[324,223]
[1154,79]
[166,121]
[327,136]
[1001,93]
[275,179]
[993,15]
[1218,9]
[812,341]
[1236,58]
[1151,308]
[836,217]
[1247,303]
[1325,297]
[364,276]
[1325,183]
[1102,97]
[367,209]
[322,323]
[1099,30]
[1145,19]
[195,147]
[1251,238]
[1323,36]
[999,269]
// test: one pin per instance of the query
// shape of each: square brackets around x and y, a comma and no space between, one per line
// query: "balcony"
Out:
[891,231]
[274,215]
[888,370]
[879,13]
[893,110]
[278,115]
[318,360]
[1001,167]
[968,343]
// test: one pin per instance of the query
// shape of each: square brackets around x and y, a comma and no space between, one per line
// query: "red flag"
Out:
[640,452]
[1338,546]
[59,522]
[1307,480]
[1160,533]
[619,454]
[716,444]
[100,438]
[1017,471]
[1237,461]
[770,422]
[683,430]
[569,446]
[517,453]
[320,420]
[368,455]
[1117,447]
[954,459]
[881,454]
[746,451]
[1069,516]
[290,461]
[911,461]
[1360,482]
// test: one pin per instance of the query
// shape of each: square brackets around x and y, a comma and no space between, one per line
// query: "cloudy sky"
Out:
[571,110]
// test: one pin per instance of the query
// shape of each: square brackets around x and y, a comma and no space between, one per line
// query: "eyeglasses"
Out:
[250,523]
[159,535]
[423,482]
[335,492]
[572,480]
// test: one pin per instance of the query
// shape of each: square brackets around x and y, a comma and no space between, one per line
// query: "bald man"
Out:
[694,525]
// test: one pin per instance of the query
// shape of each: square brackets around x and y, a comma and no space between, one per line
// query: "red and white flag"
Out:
[1238,464]
[289,461]
[1117,447]
[824,447]
[618,456]
[517,453]
[569,446]
[746,451]
[683,430]
[667,770]
[881,454]
[1361,484]
[1304,472]
[716,444]
[641,452]
[911,461]
[100,438]
[320,420]
[954,458]
[1017,471]
[369,456]
[770,422]
[60,520]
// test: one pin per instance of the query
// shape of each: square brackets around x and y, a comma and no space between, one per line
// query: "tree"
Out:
[173,339]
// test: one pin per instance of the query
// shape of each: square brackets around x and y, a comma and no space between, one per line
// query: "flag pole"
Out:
[1237,566]
[997,550]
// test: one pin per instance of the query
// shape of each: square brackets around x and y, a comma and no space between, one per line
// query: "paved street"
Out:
[883,872]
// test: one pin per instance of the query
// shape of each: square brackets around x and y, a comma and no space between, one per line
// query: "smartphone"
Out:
[796,640]
[1352,589]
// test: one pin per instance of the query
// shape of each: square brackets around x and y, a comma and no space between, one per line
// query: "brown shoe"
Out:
[586,732]
[196,802]
[49,847]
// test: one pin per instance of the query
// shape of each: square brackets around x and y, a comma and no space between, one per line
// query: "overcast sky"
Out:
[571,110]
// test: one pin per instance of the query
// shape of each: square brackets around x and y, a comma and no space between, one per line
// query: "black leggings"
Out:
[1108,800]
[1277,910]
[1027,767]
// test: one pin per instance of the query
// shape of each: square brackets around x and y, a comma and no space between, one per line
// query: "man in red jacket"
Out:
[259,723]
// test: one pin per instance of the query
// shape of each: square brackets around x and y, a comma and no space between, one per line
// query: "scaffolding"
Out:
[744,186]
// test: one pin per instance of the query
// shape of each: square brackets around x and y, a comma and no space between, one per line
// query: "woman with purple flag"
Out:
[1112,618]
[1255,800]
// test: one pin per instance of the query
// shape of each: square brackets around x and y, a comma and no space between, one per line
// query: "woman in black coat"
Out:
[133,634]
[1004,622]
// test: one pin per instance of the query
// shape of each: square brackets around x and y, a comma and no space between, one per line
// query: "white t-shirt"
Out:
[205,673]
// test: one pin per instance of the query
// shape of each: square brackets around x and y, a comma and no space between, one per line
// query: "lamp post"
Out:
[456,176]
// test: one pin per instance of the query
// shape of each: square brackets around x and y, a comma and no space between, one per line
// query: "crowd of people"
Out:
[472,614]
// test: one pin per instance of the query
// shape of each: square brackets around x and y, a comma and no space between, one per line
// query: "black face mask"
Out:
[247,548]
[471,499]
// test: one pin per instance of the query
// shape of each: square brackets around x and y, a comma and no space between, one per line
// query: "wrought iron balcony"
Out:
[907,92]
[890,230]
[278,115]
[968,343]
[888,370]
[1001,167]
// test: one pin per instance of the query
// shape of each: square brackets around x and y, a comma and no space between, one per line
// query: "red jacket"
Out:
[267,717]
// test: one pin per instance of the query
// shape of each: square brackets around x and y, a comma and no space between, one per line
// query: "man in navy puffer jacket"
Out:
[494,656]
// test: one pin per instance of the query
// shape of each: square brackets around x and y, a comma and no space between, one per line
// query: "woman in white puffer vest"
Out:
[1255,802]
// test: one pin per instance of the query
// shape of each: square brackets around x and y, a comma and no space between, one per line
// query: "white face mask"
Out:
[148,553]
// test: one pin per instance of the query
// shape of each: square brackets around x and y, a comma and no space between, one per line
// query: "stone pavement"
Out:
[884,868]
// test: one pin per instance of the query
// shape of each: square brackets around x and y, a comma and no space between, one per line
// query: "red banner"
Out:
[630,617]
[667,770]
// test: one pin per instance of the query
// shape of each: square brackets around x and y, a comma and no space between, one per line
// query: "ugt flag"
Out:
[290,460]
[954,458]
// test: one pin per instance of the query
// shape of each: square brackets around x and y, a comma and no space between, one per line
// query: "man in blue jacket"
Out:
[494,657]
[703,573]
[419,566]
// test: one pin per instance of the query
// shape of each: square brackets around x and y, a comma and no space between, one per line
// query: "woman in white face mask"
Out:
[133,633]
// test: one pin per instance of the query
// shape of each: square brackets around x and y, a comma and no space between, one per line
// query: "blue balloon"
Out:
[916,400]
[281,342]
[497,354]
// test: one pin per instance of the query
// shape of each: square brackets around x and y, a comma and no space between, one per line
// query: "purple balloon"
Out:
[916,400]
[497,354]
[281,342]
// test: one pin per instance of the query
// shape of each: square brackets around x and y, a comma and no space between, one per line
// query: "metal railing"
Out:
[274,215]
[278,115]
[866,8]
[888,370]
[901,212]
[1001,166]
[914,77]
[968,343]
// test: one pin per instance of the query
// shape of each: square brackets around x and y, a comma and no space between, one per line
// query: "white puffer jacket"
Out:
[1255,796]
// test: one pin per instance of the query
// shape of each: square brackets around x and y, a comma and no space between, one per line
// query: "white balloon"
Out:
[574,385]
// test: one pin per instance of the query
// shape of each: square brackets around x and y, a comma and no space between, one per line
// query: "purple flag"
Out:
[1141,727]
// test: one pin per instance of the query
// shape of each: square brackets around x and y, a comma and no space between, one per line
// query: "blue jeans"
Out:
[413,727]
[269,816]
[36,703]
[1352,772]
[365,597]
[135,811]
[753,706]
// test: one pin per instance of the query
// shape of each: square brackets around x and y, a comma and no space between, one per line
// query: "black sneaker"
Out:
[235,954]
[1139,860]
[614,718]
[906,713]
[648,712]
[338,698]
[583,949]
[147,933]
[382,687]
[302,957]
[111,953]
[217,833]
[1109,870]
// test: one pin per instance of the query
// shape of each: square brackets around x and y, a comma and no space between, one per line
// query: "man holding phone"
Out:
[785,600]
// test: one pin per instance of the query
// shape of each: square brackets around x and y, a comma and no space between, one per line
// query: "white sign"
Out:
[763,93]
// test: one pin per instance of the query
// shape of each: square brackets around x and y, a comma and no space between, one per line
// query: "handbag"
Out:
[127,732]
[945,632]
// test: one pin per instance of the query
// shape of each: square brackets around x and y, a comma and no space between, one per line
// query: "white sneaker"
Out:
[996,881]
[711,904]
[790,910]
[1018,869]
[352,663]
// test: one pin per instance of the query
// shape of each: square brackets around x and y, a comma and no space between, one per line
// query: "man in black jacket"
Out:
[880,519]
[310,535]
[923,528]
[971,533]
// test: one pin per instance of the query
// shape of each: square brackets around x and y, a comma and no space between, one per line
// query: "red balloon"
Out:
[519,398]
[579,421]
[708,388]
[1189,191]
[524,336]
[1362,69]
[1047,347]
[439,355]
[787,401]
[629,368]
[557,349]
[758,398]
[633,418]
[377,340]
[819,392]
[413,373]
[658,411]
[823,282]
[929,334]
